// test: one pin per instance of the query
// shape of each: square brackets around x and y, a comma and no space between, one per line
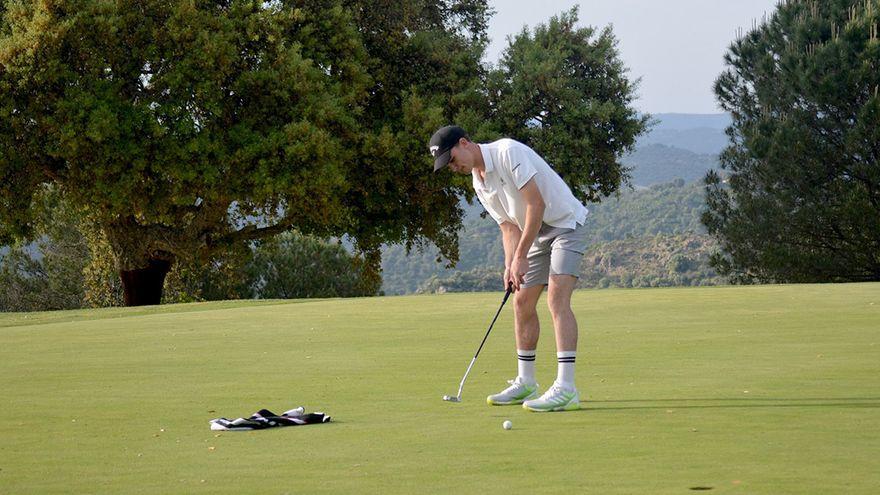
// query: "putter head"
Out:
[449,398]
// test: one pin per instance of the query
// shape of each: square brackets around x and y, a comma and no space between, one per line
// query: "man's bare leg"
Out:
[527,330]
[565,326]
[525,312]
[559,302]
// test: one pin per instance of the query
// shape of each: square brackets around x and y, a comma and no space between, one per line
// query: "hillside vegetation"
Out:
[645,238]
[650,235]
[658,163]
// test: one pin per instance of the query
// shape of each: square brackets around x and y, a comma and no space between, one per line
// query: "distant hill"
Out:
[657,163]
[671,209]
[701,134]
[679,146]
[644,261]
[702,141]
[688,121]
[650,261]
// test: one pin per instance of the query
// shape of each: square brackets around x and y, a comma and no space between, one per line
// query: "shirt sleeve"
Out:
[521,167]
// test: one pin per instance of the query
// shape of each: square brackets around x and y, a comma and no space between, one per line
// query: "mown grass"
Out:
[752,390]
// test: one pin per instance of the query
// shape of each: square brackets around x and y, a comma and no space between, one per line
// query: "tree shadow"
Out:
[729,403]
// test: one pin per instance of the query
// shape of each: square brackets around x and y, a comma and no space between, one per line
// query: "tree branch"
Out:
[252,232]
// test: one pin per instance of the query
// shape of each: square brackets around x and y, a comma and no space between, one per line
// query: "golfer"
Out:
[542,228]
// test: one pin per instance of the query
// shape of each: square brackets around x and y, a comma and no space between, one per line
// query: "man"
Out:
[542,228]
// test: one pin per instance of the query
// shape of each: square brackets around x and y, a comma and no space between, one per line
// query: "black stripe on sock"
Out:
[566,360]
[525,358]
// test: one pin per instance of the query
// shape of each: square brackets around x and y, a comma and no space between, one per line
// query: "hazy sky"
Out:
[675,46]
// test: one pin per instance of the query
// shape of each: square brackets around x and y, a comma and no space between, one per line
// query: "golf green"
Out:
[752,390]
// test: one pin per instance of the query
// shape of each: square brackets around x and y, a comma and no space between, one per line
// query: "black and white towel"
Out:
[265,418]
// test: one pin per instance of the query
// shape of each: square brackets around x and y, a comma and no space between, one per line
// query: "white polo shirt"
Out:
[509,165]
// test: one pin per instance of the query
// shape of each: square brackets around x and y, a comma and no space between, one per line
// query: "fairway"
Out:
[747,390]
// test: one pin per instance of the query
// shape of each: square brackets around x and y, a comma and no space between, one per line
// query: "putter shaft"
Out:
[461,385]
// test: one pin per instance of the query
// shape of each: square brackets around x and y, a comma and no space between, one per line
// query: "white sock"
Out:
[525,365]
[565,370]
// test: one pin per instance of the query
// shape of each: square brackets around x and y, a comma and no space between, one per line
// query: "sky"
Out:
[675,46]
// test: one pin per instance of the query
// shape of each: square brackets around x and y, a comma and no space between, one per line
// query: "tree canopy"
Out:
[799,197]
[182,130]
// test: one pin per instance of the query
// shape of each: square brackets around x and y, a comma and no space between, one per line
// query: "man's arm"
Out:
[510,235]
[534,215]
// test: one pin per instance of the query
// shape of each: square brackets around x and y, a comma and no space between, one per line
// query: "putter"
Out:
[457,398]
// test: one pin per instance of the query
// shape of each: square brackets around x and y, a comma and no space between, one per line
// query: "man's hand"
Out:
[516,274]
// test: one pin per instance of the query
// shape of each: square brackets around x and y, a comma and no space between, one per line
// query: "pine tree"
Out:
[798,199]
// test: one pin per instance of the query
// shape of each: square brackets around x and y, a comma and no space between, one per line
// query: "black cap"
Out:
[442,142]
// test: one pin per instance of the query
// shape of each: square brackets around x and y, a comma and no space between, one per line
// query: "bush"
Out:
[476,280]
[292,265]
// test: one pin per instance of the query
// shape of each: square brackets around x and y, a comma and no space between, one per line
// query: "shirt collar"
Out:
[487,158]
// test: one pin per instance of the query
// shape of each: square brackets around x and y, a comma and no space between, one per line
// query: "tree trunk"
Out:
[143,286]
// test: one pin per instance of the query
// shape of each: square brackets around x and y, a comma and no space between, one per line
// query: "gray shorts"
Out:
[556,251]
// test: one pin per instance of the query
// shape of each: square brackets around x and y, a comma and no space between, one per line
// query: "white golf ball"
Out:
[507,425]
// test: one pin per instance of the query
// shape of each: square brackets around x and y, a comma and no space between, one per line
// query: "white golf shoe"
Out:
[516,393]
[556,398]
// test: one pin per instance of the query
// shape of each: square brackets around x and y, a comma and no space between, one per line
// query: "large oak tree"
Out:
[183,128]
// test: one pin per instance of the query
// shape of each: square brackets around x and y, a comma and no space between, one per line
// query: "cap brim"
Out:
[442,160]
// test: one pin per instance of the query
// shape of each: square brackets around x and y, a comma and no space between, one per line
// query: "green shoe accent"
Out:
[515,394]
[554,399]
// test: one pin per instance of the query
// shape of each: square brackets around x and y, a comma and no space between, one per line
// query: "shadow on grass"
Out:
[728,403]
[10,320]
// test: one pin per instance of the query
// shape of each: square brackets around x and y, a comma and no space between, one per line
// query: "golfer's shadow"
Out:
[728,403]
